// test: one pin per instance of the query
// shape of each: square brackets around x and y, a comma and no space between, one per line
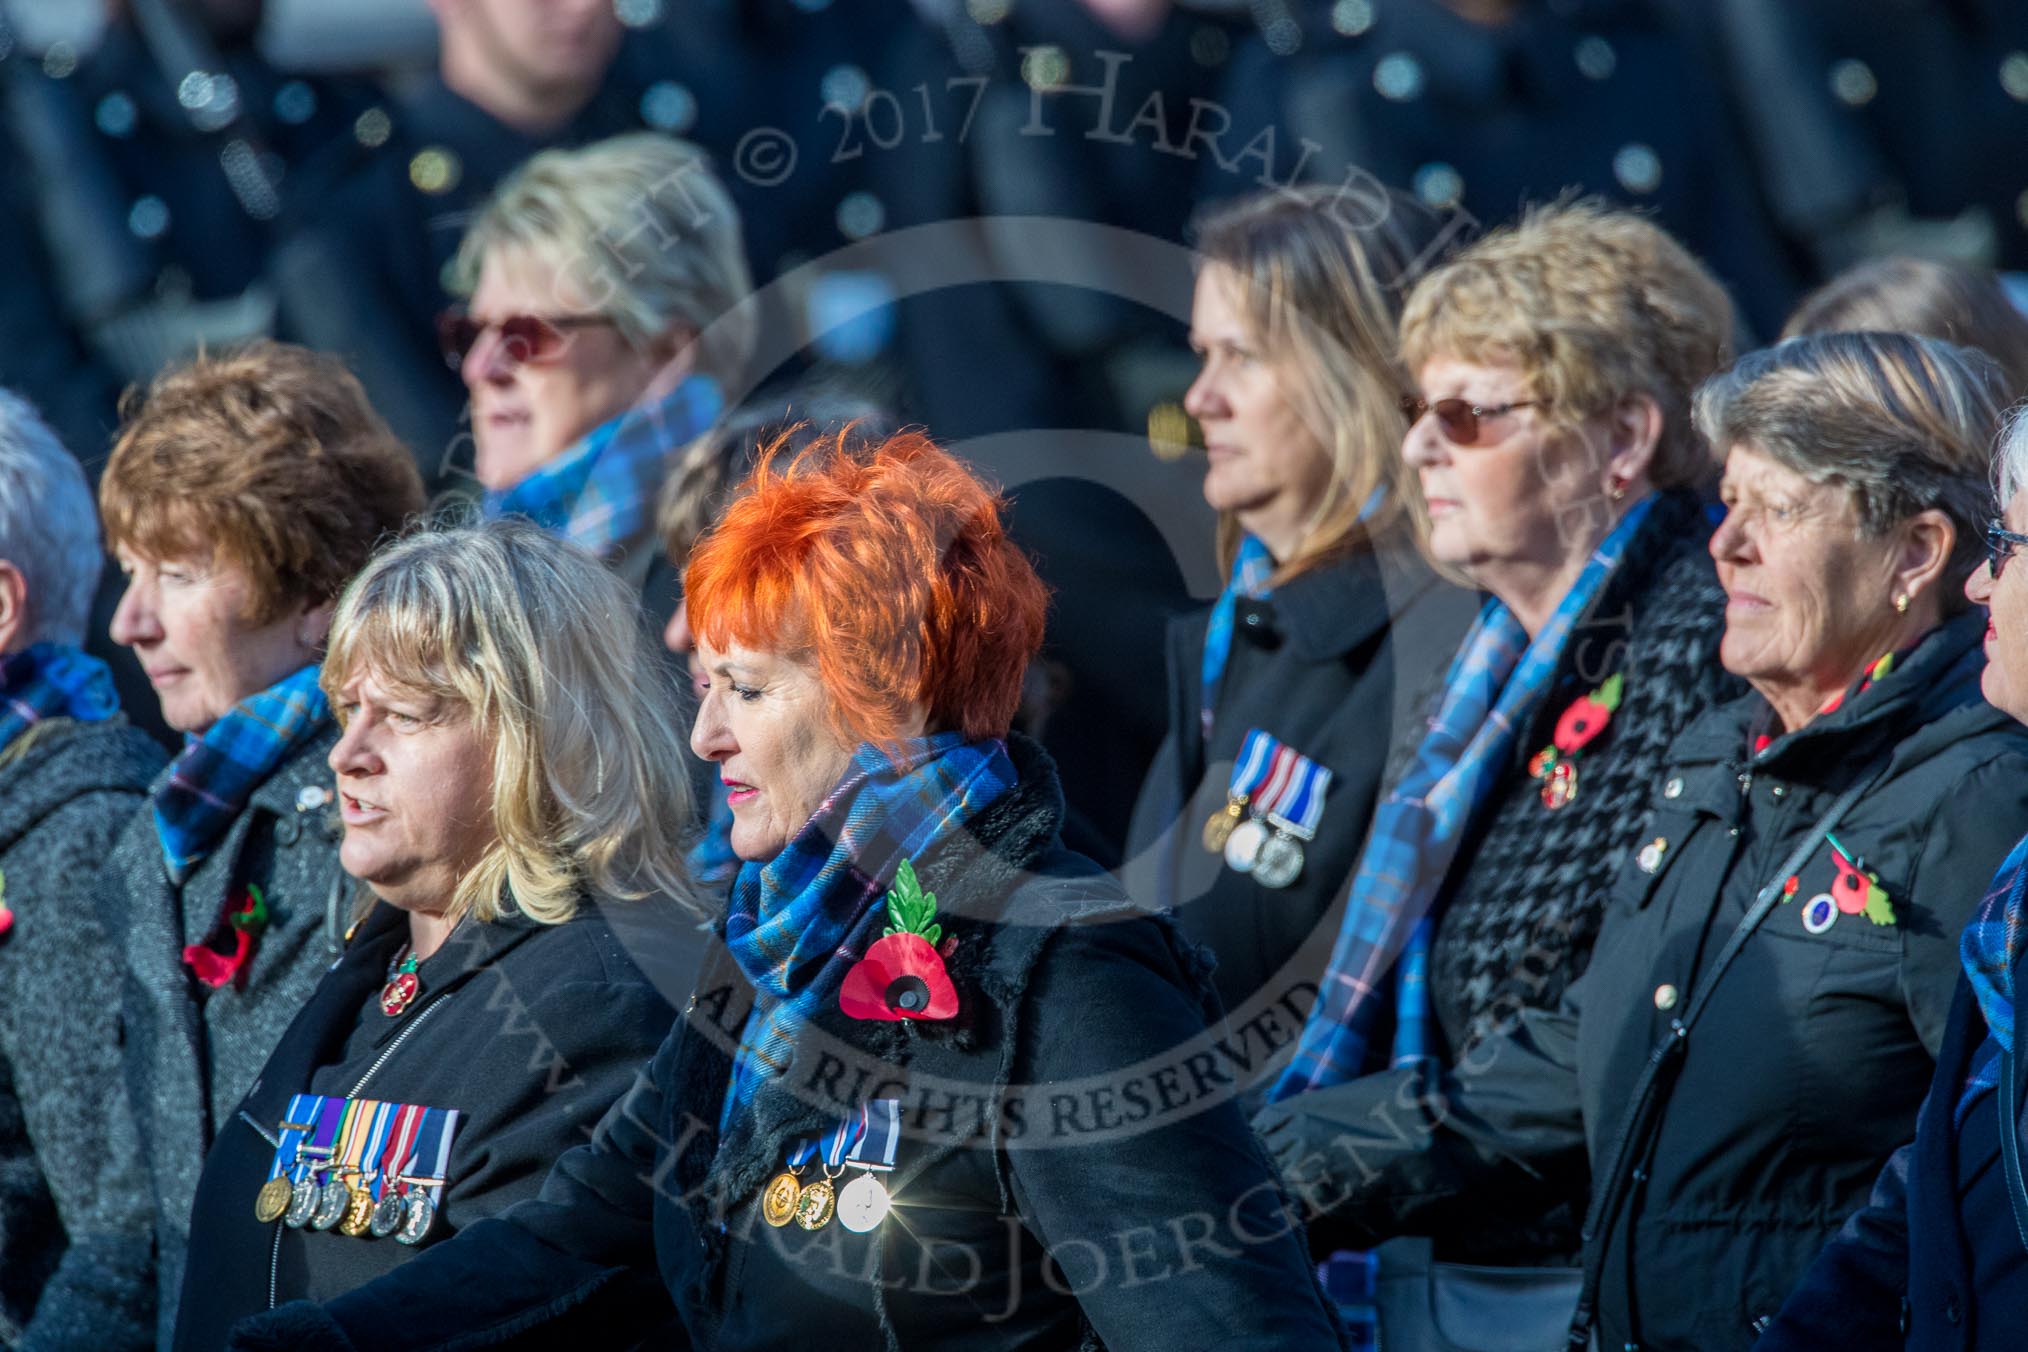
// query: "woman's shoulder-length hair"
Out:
[886,566]
[544,646]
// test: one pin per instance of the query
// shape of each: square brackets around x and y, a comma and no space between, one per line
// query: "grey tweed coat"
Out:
[73,1228]
[190,1054]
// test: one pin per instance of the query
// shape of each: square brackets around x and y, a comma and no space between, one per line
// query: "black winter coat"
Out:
[1934,1262]
[1331,665]
[1054,1114]
[1809,1062]
[75,1236]
[530,1031]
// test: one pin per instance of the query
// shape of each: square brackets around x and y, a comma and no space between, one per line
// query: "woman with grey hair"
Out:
[511,783]
[607,320]
[74,1220]
[1935,1258]
[1776,962]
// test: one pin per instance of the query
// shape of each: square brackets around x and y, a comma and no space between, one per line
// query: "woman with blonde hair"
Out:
[511,784]
[1555,362]
[1284,694]
[606,325]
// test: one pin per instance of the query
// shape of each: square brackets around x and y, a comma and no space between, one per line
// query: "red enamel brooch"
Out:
[902,975]
[1556,765]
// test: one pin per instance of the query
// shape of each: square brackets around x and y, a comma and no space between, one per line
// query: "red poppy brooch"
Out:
[244,920]
[1556,765]
[902,975]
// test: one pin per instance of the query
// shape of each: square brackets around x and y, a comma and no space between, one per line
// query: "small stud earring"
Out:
[1901,603]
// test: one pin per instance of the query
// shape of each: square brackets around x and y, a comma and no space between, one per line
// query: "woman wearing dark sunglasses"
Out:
[1769,988]
[1285,693]
[604,327]
[1938,1258]
[1552,440]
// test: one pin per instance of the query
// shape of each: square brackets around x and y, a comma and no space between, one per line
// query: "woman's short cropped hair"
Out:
[642,228]
[1963,305]
[1904,423]
[269,458]
[49,529]
[542,643]
[1593,304]
[889,568]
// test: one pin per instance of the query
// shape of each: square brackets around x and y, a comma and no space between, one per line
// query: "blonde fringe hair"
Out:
[1592,304]
[643,227]
[541,643]
[1321,291]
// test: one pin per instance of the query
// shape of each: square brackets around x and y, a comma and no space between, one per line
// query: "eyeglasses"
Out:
[1458,419]
[523,338]
[2000,546]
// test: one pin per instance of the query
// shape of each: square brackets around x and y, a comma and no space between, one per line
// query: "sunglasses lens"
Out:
[527,338]
[1460,425]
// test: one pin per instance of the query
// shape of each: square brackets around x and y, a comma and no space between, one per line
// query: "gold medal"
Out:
[816,1205]
[358,1213]
[779,1202]
[1218,828]
[272,1202]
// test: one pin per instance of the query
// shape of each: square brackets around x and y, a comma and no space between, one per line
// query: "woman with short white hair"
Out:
[607,317]
[512,790]
[74,1215]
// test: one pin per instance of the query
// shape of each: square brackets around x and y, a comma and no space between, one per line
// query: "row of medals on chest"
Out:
[344,1201]
[1272,853]
[860,1206]
[404,1210]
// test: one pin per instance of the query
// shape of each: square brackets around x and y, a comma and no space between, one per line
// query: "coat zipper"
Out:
[275,1252]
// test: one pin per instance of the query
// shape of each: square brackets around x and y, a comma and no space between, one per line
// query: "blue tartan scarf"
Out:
[1251,568]
[797,923]
[1991,945]
[1489,696]
[600,493]
[52,680]
[213,776]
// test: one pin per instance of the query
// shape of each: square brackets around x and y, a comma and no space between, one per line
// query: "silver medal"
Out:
[302,1204]
[422,1213]
[332,1199]
[1280,861]
[863,1205]
[388,1214]
[1242,847]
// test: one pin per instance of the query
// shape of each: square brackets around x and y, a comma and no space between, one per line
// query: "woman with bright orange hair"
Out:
[940,1085]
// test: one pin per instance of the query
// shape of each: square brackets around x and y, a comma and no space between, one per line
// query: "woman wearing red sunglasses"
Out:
[604,325]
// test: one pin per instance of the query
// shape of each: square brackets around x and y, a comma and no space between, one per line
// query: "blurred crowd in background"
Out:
[177,174]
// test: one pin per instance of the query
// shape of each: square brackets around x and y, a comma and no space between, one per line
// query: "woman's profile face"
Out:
[415,791]
[1263,458]
[529,407]
[185,617]
[763,723]
[1808,596]
[2005,682]
[1523,496]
